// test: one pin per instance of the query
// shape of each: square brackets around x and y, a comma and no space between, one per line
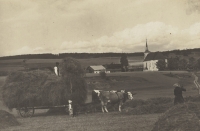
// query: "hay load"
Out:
[7,119]
[33,88]
[184,117]
[42,88]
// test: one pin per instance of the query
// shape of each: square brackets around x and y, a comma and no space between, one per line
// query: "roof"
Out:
[136,64]
[97,67]
[154,56]
[147,51]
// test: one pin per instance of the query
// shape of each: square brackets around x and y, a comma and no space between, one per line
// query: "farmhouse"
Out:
[151,58]
[135,66]
[95,69]
[113,67]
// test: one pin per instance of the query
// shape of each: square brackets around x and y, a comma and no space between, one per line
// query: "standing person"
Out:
[178,94]
[56,69]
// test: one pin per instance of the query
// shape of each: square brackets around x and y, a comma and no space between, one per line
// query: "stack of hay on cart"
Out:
[34,88]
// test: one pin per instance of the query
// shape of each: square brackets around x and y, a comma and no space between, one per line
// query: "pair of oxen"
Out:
[114,97]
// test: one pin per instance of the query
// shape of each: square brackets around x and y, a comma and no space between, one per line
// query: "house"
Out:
[113,67]
[151,58]
[96,69]
[135,66]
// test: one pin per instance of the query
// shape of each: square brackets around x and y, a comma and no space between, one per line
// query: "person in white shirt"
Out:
[56,69]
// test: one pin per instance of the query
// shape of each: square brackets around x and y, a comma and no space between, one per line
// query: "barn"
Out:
[95,69]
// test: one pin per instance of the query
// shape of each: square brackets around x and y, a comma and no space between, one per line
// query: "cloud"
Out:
[29,50]
[97,26]
[160,37]
[193,6]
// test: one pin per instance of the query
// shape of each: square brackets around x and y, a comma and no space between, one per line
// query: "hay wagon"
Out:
[27,91]
[29,111]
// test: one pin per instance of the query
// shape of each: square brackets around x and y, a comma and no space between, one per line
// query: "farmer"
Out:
[178,94]
[72,108]
[75,109]
[56,69]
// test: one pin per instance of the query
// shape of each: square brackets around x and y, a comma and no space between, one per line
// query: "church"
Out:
[151,58]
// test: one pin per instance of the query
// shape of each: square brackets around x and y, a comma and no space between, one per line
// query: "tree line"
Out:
[185,52]
[178,63]
[64,55]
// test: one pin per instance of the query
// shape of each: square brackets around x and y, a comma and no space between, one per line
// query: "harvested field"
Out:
[18,64]
[146,85]
[90,122]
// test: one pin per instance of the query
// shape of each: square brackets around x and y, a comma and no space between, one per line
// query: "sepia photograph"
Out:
[99,65]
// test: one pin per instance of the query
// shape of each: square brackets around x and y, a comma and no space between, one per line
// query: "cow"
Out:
[95,96]
[95,99]
[113,98]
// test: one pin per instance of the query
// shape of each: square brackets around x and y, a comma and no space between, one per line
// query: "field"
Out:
[10,65]
[145,84]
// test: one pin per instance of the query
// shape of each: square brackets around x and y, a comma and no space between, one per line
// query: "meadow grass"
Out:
[145,84]
[17,64]
[90,122]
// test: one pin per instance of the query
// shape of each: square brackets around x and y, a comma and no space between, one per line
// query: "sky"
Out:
[97,26]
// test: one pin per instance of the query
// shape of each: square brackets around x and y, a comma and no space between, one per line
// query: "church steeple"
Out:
[146,50]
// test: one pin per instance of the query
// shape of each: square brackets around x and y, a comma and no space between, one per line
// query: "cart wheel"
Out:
[26,112]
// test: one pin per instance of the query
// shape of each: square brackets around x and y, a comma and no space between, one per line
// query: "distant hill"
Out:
[172,53]
[63,55]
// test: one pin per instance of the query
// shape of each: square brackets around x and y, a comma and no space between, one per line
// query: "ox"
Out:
[95,99]
[113,98]
[95,96]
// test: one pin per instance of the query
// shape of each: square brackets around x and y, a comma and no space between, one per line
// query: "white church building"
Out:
[151,58]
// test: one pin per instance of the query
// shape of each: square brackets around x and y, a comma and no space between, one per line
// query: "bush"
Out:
[103,75]
[7,119]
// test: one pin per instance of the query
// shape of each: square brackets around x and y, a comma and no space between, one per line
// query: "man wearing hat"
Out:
[178,93]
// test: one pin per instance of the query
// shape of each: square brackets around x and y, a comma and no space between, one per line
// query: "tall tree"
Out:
[124,62]
[161,65]
[173,63]
[191,64]
[182,65]
[72,73]
[198,64]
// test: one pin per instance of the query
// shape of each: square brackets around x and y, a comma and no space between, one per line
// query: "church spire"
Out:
[146,49]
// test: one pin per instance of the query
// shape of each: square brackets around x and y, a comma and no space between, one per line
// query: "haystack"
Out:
[7,119]
[184,117]
[34,88]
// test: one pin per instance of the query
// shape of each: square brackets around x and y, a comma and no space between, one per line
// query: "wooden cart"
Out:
[29,111]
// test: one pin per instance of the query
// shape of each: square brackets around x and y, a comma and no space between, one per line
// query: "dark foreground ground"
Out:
[113,121]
